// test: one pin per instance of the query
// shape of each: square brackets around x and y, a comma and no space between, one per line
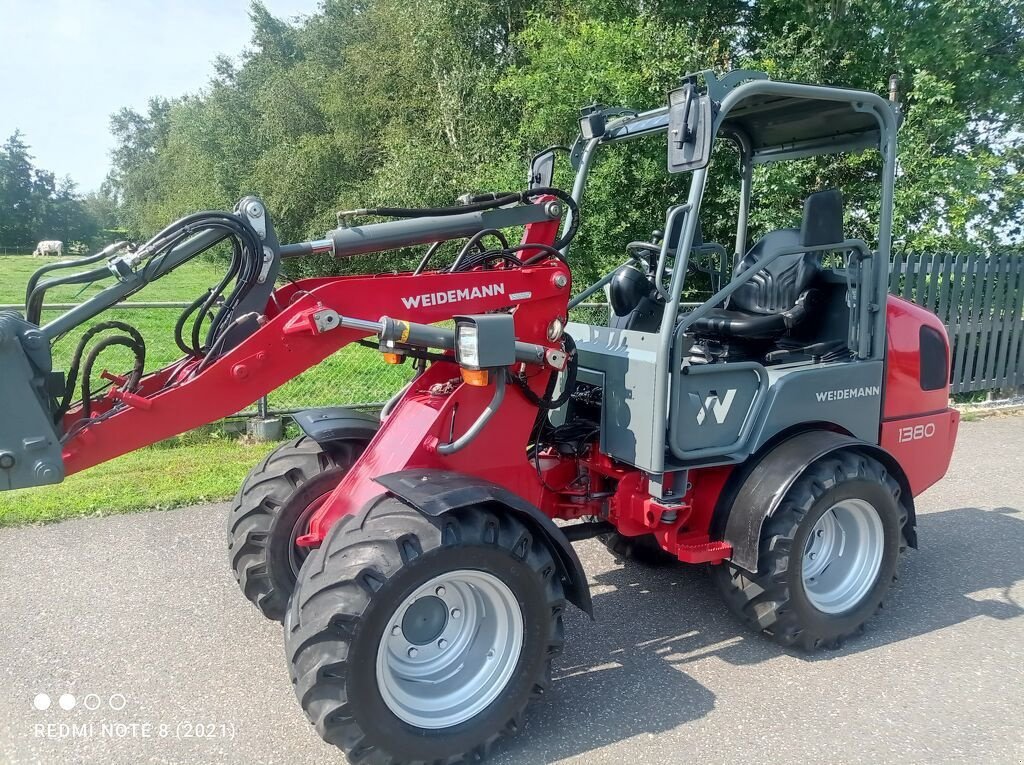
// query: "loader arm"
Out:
[256,337]
[293,341]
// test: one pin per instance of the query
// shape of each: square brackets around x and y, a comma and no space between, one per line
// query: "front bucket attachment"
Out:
[30,451]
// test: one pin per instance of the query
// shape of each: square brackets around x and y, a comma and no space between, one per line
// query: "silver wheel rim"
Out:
[842,556]
[449,649]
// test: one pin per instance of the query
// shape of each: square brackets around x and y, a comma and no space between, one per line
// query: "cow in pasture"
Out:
[49,247]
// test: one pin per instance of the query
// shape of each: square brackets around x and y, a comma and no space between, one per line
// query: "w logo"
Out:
[717,405]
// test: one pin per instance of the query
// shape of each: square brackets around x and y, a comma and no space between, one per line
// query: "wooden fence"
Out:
[980,299]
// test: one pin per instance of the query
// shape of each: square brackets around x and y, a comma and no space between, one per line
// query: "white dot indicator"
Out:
[67,702]
[41,702]
[92,702]
[117,702]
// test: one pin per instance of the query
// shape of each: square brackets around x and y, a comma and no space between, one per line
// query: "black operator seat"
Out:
[781,295]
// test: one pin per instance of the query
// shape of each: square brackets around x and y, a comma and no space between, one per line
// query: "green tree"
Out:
[16,192]
[415,102]
[35,205]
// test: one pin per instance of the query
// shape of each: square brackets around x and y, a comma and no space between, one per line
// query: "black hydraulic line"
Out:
[34,304]
[485,257]
[474,430]
[431,251]
[179,325]
[574,225]
[487,202]
[233,269]
[211,354]
[430,212]
[76,359]
[247,261]
[475,241]
[547,252]
[508,256]
[545,401]
[87,261]
[107,342]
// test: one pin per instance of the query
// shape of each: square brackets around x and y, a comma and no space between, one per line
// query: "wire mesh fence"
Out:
[354,376]
[357,376]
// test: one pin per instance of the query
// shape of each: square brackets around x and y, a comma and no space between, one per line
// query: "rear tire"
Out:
[827,558]
[367,673]
[273,508]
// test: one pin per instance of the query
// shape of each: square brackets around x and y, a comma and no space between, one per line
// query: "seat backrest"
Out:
[777,287]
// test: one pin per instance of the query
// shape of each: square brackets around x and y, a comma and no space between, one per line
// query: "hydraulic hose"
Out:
[76,360]
[545,401]
[139,351]
[216,292]
[34,304]
[431,212]
[87,261]
[179,325]
[485,202]
[474,241]
[466,438]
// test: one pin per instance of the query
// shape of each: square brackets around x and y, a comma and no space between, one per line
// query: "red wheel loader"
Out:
[778,432]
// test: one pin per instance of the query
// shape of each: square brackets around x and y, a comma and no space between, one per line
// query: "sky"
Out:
[67,65]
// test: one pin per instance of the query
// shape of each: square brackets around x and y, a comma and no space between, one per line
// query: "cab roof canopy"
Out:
[774,120]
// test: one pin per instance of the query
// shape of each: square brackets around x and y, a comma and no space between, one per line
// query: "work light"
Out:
[484,342]
[592,121]
[467,348]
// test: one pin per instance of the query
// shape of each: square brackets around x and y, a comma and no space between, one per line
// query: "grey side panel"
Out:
[435,492]
[847,394]
[714,408]
[30,453]
[720,404]
[766,483]
[707,424]
[337,423]
[623,362]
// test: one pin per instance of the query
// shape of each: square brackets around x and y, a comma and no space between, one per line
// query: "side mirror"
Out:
[542,169]
[689,129]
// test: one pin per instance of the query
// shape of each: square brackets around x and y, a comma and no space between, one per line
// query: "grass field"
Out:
[200,466]
[184,283]
[171,474]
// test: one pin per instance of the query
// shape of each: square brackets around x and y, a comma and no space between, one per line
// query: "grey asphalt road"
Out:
[137,618]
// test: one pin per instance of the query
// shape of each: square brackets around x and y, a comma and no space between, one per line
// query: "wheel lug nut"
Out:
[396,630]
[821,532]
[439,592]
[413,653]
[814,555]
[442,643]
[456,613]
[490,654]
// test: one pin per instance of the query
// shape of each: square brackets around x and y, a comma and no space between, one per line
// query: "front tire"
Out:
[420,640]
[827,557]
[272,509]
